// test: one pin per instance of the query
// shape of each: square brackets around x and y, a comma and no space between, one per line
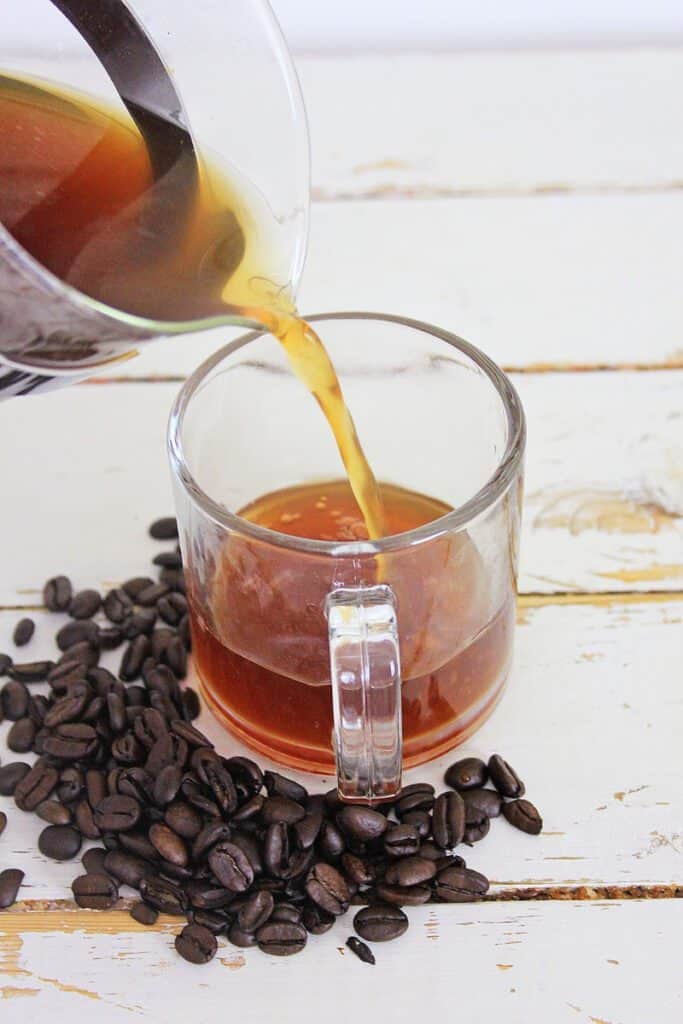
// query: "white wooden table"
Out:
[534,204]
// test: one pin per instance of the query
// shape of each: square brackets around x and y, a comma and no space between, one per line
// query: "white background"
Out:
[343,25]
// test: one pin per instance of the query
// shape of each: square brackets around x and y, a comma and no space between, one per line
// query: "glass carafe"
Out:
[230,67]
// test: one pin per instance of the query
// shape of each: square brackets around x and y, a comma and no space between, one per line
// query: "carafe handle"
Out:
[366,691]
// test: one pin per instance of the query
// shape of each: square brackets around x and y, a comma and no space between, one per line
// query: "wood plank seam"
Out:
[549,189]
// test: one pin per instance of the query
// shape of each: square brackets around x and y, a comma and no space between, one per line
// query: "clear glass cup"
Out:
[230,68]
[372,655]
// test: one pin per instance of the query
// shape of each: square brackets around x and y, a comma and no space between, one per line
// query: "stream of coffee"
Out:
[78,192]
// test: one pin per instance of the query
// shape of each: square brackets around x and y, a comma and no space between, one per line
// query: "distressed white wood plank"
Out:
[571,280]
[604,507]
[605,963]
[501,122]
[591,719]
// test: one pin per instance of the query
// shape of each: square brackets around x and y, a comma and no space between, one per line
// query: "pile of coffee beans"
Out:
[233,849]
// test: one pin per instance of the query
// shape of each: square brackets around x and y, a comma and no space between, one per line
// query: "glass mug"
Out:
[373,655]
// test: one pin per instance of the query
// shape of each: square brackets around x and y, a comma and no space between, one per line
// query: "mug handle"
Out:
[366,691]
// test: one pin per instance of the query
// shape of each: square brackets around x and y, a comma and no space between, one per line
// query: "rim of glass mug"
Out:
[463,515]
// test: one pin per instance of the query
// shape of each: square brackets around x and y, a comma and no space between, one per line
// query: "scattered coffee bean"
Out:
[14,700]
[3,822]
[417,797]
[481,803]
[362,951]
[460,885]
[255,911]
[361,823]
[85,604]
[468,773]
[475,832]
[523,815]
[5,664]
[95,892]
[328,888]
[504,777]
[280,938]
[77,632]
[30,671]
[164,529]
[11,775]
[196,944]
[409,871]
[401,841]
[93,861]
[448,824]
[117,605]
[380,923]
[57,594]
[231,866]
[117,814]
[35,785]
[400,896]
[21,736]
[10,882]
[60,842]
[23,631]
[163,895]
[54,813]
[144,914]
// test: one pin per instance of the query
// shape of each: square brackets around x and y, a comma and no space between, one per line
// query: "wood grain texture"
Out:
[569,962]
[535,282]
[494,122]
[604,483]
[591,720]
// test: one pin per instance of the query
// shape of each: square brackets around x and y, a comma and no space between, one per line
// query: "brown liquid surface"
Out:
[260,640]
[78,192]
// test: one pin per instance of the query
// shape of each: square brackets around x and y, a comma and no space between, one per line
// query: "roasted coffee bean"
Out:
[150,727]
[185,632]
[380,923]
[96,786]
[276,849]
[151,594]
[183,819]
[215,920]
[93,861]
[141,623]
[133,657]
[69,707]
[10,882]
[193,737]
[448,819]
[110,637]
[168,844]
[398,895]
[85,820]
[35,786]
[417,797]
[160,639]
[251,808]
[207,894]
[116,709]
[316,920]
[14,700]
[421,821]
[136,585]
[246,774]
[280,785]
[281,808]
[168,560]
[172,607]
[144,914]
[60,842]
[167,784]
[65,675]
[362,951]
[190,789]
[173,578]
[57,593]
[163,895]
[73,741]
[30,672]
[21,735]
[168,749]
[401,840]
[95,892]
[480,803]
[287,912]
[460,885]
[175,656]
[54,813]
[117,605]
[251,849]
[83,653]
[468,773]
[191,704]
[117,814]
[361,823]
[85,604]
[23,631]
[201,759]
[70,785]
[306,830]
[280,938]
[134,781]
[331,841]
[77,632]
[240,938]
[328,889]
[11,775]
[361,872]
[38,707]
[3,822]
[164,529]
[231,866]
[255,911]
[523,815]
[222,787]
[126,867]
[5,664]
[477,830]
[196,944]
[504,777]
[410,871]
